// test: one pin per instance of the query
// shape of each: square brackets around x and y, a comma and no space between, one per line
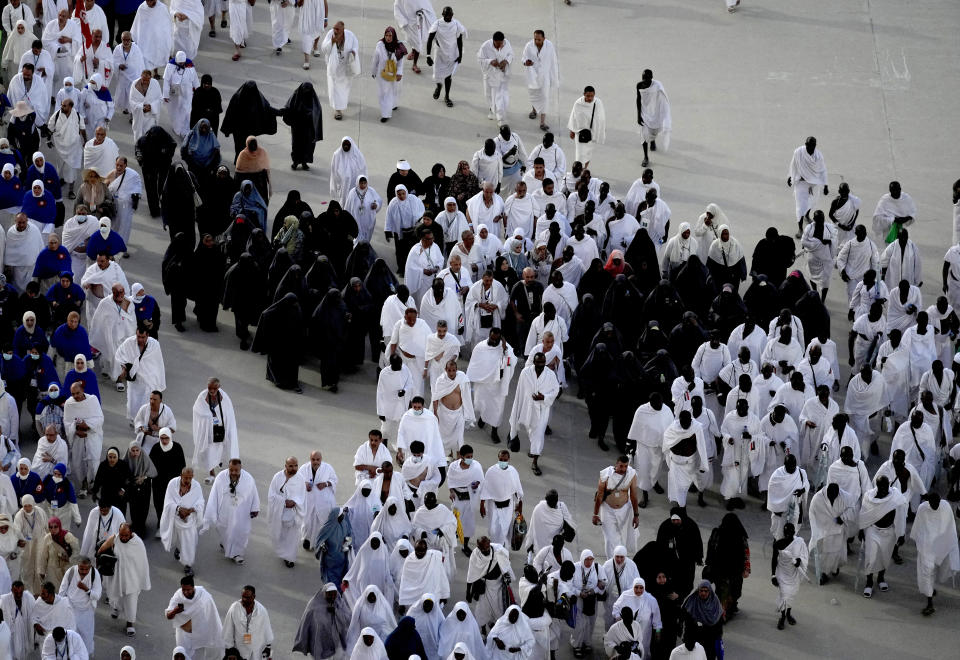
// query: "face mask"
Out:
[418,412]
[417,460]
[53,394]
[57,480]
[104,232]
[139,299]
[468,461]
[503,464]
[34,356]
[8,356]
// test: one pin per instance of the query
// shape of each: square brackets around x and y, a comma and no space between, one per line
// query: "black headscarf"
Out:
[598,374]
[360,261]
[207,103]
[249,113]
[642,257]
[595,281]
[813,315]
[404,641]
[664,304]
[793,288]
[245,288]
[694,286]
[261,250]
[293,206]
[237,237]
[176,266]
[380,282]
[584,324]
[209,268]
[653,339]
[623,306]
[292,282]
[727,311]
[278,268]
[303,110]
[177,204]
[507,277]
[328,325]
[762,300]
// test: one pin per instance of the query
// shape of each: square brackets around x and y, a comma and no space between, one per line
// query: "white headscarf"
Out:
[466,633]
[375,651]
[730,249]
[77,358]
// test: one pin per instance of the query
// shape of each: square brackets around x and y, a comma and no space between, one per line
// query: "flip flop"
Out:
[449,103]
[868,592]
[537,471]
[236,56]
[416,69]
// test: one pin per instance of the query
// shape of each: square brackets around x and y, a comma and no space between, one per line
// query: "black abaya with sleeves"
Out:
[207,103]
[623,306]
[380,282]
[303,115]
[642,257]
[280,337]
[328,332]
[292,282]
[209,266]
[338,229]
[176,273]
[169,465]
[360,261]
[294,206]
[364,324]
[278,268]
[177,203]
[248,113]
[245,293]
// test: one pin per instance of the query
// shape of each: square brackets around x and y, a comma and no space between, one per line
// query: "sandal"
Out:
[212,33]
[544,127]
[416,69]
[449,103]
[236,56]
[868,592]
[537,471]
[884,586]
[533,114]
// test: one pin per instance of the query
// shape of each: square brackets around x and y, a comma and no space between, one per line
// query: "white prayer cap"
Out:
[329,586]
[519,231]
[4,143]
[36,155]
[675,517]
[587,553]
[400,187]
[180,57]
[620,551]
[449,200]
[8,168]
[403,165]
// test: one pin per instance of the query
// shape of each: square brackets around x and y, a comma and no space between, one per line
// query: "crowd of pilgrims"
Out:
[654,330]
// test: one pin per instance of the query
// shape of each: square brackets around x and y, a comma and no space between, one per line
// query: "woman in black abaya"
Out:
[178,202]
[623,306]
[642,257]
[278,268]
[328,333]
[280,338]
[245,292]
[595,281]
[206,285]
[302,114]
[694,286]
[360,261]
[294,206]
[364,323]
[292,282]
[248,113]
[175,273]
[380,282]
[338,229]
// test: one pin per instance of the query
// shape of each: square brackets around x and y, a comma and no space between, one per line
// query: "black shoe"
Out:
[245,345]
[730,505]
[548,430]
[658,489]
[646,161]
[481,423]
[384,120]
[780,625]
[306,544]
[874,448]
[494,436]
[436,92]
[223,22]
[514,444]
[288,564]
[643,500]
[603,445]
[176,554]
[791,620]
[653,145]
[179,327]
[700,500]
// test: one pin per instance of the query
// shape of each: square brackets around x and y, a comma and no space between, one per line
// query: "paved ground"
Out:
[869,79]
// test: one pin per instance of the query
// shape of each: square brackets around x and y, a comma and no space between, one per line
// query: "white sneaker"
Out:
[490,115]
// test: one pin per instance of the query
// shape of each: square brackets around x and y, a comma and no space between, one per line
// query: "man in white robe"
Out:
[488,569]
[286,508]
[895,207]
[342,50]
[138,363]
[408,339]
[448,34]
[182,518]
[51,611]
[23,245]
[653,115]
[830,513]
[246,626]
[114,321]
[62,39]
[131,575]
[452,406]
[938,556]
[127,188]
[93,59]
[484,308]
[819,239]
[441,347]
[100,153]
[495,58]
[83,423]
[320,482]
[901,260]
[850,474]
[436,524]
[312,20]
[686,455]
[486,208]
[501,498]
[152,30]
[808,173]
[418,423]
[414,17]
[17,606]
[543,75]
[587,115]
[368,458]
[347,166]
[741,432]
[649,422]
[422,572]
[563,296]
[51,449]
[915,438]
[195,619]
[82,587]
[187,25]
[549,518]
[395,389]
[103,522]
[787,493]
[490,371]
[180,79]
[844,211]
[423,263]
[213,411]
[67,130]
[128,63]
[464,479]
[537,389]
[866,396]
[789,564]
[97,282]
[282,15]
[882,525]
[554,163]
[76,230]
[857,255]
[232,504]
